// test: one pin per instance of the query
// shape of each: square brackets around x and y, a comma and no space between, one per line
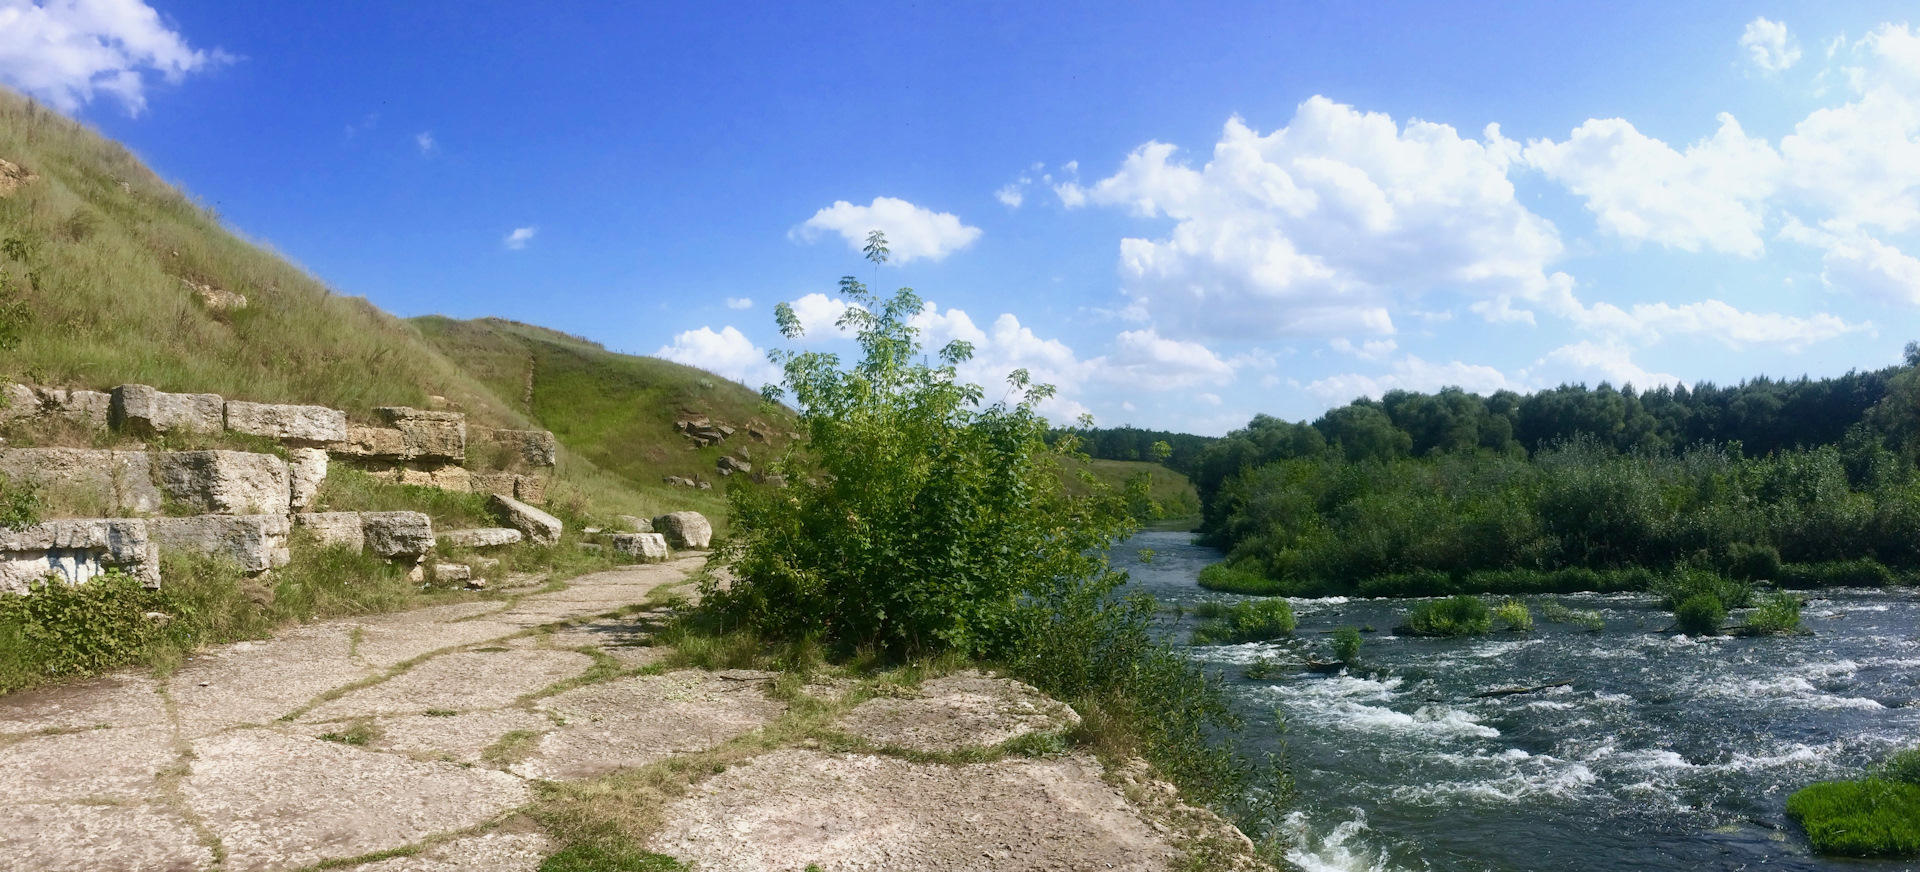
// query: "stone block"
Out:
[530,488]
[644,547]
[685,530]
[427,473]
[485,537]
[255,543]
[536,447]
[143,409]
[77,550]
[542,528]
[452,572]
[637,525]
[397,534]
[87,408]
[334,528]
[306,469]
[226,482]
[307,424]
[371,442]
[428,435]
[117,481]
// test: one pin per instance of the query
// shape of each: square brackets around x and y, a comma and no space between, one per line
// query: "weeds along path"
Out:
[488,735]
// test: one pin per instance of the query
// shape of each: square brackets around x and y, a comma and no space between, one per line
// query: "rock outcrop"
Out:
[255,543]
[540,527]
[685,530]
[116,482]
[145,410]
[334,528]
[77,550]
[644,547]
[536,447]
[85,408]
[316,425]
[226,482]
[397,534]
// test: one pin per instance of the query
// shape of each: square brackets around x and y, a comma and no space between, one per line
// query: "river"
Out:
[1664,752]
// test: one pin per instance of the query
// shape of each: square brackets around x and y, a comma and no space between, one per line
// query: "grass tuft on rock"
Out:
[1462,615]
[1700,615]
[1872,817]
[1248,621]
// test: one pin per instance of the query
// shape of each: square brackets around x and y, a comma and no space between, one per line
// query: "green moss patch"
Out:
[1872,817]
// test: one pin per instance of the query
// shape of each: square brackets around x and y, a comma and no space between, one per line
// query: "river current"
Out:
[1662,751]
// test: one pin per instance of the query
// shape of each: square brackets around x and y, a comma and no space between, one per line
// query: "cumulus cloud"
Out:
[1410,373]
[1601,362]
[1860,263]
[1322,226]
[912,232]
[819,315]
[1642,190]
[1145,359]
[1010,195]
[1374,349]
[739,302]
[66,51]
[1769,45]
[426,142]
[728,353]
[519,238]
[1858,164]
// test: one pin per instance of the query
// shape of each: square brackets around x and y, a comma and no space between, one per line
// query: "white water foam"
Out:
[1340,849]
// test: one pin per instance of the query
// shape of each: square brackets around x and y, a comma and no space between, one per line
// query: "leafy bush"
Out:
[1864,572]
[59,630]
[1557,613]
[1686,583]
[1346,644]
[1749,561]
[1462,615]
[1249,621]
[1871,817]
[1778,613]
[1700,615]
[1515,615]
[1230,579]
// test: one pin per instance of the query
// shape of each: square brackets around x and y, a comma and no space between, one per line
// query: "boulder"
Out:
[537,447]
[306,469]
[77,550]
[255,543]
[226,482]
[428,435]
[452,572]
[530,488]
[540,527]
[317,425]
[87,408]
[117,482]
[730,465]
[397,534]
[371,442]
[334,528]
[146,410]
[637,525]
[423,473]
[644,547]
[485,537]
[685,530]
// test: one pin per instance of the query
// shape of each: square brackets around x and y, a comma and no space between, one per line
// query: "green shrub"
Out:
[1515,615]
[1685,583]
[1557,613]
[60,630]
[1700,615]
[1864,572]
[1777,613]
[1346,644]
[1903,767]
[1867,818]
[1231,579]
[1249,621]
[1749,561]
[1461,615]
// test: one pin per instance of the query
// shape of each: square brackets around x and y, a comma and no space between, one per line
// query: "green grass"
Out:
[1179,502]
[1700,615]
[350,490]
[1246,621]
[1777,613]
[1514,615]
[1872,817]
[1230,579]
[1461,615]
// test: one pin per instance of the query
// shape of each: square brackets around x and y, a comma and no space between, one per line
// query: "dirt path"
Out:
[412,741]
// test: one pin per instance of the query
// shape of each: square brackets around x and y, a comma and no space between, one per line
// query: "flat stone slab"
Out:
[280,801]
[257,682]
[635,721]
[461,681]
[126,700]
[784,810]
[459,738]
[959,711]
[490,852]
[95,765]
[88,838]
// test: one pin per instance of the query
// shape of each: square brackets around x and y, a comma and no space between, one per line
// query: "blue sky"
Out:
[1182,214]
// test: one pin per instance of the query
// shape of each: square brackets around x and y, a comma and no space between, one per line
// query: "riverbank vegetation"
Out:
[1796,483]
[919,523]
[1875,816]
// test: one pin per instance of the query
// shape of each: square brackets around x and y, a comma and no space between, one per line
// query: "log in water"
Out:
[1633,748]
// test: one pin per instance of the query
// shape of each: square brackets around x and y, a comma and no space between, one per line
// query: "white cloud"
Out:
[1769,45]
[64,51]
[739,302]
[1605,362]
[818,314]
[912,232]
[425,140]
[1011,195]
[1859,263]
[1410,373]
[519,238]
[1375,349]
[1859,163]
[1641,189]
[1146,360]
[1710,319]
[727,353]
[1322,226]
[1209,399]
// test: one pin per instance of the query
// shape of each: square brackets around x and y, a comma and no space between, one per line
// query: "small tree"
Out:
[916,519]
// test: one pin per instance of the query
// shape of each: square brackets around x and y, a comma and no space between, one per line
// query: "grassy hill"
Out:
[616,411]
[1171,490]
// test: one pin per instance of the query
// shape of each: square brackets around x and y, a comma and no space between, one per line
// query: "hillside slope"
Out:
[617,411]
